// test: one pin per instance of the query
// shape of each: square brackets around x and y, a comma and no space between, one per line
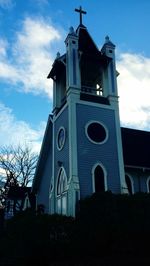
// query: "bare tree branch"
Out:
[17,166]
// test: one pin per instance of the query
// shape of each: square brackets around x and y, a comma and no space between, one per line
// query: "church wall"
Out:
[90,154]
[62,155]
[43,193]
[139,178]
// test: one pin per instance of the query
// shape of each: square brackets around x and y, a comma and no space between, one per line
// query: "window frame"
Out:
[93,176]
[147,181]
[57,141]
[132,183]
[101,124]
[63,190]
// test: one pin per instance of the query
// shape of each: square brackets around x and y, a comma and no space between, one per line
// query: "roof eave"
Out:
[37,175]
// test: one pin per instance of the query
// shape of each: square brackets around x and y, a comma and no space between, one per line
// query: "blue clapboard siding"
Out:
[62,155]
[89,153]
[43,193]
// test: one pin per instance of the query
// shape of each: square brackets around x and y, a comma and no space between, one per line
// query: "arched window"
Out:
[99,179]
[129,184]
[148,184]
[61,192]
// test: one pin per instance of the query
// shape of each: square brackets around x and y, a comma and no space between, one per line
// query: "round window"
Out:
[61,138]
[96,132]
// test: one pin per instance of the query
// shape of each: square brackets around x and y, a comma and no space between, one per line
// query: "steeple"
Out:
[83,133]
[86,129]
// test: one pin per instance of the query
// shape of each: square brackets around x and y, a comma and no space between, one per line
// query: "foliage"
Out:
[30,238]
[118,223]
[108,228]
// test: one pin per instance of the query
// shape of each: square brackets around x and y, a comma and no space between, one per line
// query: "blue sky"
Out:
[33,31]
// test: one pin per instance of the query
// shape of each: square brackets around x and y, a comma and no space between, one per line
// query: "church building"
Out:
[84,149]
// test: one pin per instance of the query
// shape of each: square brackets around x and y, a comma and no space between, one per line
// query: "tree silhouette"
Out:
[17,167]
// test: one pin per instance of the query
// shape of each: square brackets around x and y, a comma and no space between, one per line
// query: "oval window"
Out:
[96,132]
[61,138]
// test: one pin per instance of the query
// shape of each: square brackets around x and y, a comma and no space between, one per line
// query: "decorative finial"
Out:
[57,55]
[107,39]
[71,30]
[81,12]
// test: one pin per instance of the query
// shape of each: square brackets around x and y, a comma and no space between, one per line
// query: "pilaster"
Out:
[72,99]
[72,60]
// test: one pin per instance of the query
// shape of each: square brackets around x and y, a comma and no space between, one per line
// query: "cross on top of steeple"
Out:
[81,11]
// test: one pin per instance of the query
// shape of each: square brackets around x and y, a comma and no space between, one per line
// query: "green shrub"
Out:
[117,225]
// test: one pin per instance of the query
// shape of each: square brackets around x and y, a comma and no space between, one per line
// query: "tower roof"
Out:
[58,66]
[108,42]
[86,42]
[88,50]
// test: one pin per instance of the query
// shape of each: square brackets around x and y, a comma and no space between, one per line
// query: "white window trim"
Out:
[64,193]
[98,122]
[148,179]
[63,169]
[93,176]
[60,148]
[132,182]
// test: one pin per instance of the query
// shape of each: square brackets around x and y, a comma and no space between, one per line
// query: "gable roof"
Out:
[46,146]
[57,67]
[89,54]
[86,42]
[136,147]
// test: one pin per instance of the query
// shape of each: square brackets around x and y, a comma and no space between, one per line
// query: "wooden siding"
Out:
[89,153]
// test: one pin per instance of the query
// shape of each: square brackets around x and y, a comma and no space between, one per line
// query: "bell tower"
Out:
[87,149]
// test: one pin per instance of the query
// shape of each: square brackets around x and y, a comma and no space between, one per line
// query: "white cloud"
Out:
[13,132]
[134,90]
[7,70]
[31,57]
[25,64]
[3,48]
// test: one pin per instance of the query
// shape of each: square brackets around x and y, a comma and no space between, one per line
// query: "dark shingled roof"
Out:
[46,146]
[86,43]
[136,147]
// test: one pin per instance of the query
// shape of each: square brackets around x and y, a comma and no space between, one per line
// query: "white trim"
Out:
[88,103]
[100,123]
[52,204]
[93,176]
[56,116]
[72,136]
[137,167]
[132,182]
[99,105]
[72,45]
[60,148]
[51,189]
[72,98]
[147,181]
[114,103]
[62,193]
[60,169]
